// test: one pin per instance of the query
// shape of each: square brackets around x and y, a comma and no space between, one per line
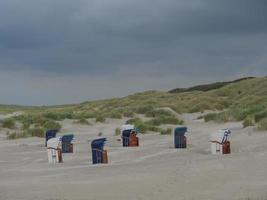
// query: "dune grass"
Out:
[83,121]
[153,125]
[248,103]
[249,121]
[33,125]
[16,135]
[8,123]
[117,131]
[100,118]
[143,126]
[167,131]
[33,132]
[244,100]
[262,125]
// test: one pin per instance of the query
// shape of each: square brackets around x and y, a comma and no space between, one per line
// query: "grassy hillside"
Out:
[207,87]
[248,102]
[245,99]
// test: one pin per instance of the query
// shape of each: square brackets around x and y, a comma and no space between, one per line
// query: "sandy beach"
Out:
[155,170]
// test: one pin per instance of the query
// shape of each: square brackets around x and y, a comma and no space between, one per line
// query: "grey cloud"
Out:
[200,40]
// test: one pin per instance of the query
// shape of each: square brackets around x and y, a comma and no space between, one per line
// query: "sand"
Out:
[155,170]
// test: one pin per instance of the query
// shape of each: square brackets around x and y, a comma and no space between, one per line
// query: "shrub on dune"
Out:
[114,115]
[83,121]
[249,121]
[171,120]
[133,120]
[159,113]
[128,114]
[210,117]
[11,136]
[51,125]
[262,125]
[8,123]
[142,126]
[117,131]
[100,119]
[16,135]
[154,122]
[58,115]
[35,132]
[223,117]
[241,112]
[144,109]
[260,115]
[218,117]
[167,131]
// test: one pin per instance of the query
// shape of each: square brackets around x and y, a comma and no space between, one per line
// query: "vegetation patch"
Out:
[117,131]
[155,122]
[141,125]
[51,125]
[58,116]
[242,100]
[171,120]
[159,113]
[9,123]
[128,113]
[145,126]
[100,119]
[35,132]
[249,121]
[144,109]
[16,135]
[167,131]
[217,117]
[210,117]
[260,115]
[114,115]
[262,125]
[82,121]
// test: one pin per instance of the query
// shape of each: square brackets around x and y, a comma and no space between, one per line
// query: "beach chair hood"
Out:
[98,143]
[220,136]
[180,131]
[54,143]
[127,127]
[68,138]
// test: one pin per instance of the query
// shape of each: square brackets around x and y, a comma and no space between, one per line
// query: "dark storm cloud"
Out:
[202,40]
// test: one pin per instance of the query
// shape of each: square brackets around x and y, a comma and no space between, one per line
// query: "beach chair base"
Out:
[54,155]
[218,148]
[226,148]
[105,157]
[134,141]
[180,142]
[100,156]
[67,148]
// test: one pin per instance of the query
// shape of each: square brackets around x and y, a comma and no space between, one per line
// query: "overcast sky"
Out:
[69,51]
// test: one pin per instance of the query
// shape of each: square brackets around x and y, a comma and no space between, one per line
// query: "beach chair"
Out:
[180,141]
[67,145]
[99,155]
[54,150]
[129,136]
[50,134]
[220,143]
